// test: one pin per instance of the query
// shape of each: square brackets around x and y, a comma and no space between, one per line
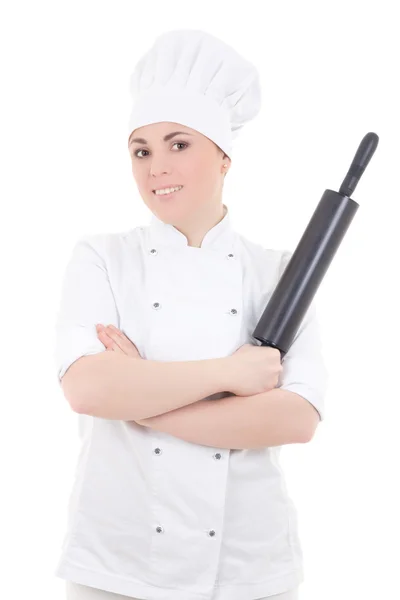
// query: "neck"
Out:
[195,238]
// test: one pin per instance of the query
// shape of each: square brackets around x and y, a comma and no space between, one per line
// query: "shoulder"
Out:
[109,245]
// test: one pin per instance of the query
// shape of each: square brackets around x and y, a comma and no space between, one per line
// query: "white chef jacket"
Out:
[151,515]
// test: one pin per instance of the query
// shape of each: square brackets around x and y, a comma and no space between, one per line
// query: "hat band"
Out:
[193,110]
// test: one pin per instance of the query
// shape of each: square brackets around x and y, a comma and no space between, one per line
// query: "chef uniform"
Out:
[152,516]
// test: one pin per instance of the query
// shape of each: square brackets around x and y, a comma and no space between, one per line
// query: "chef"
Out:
[152,515]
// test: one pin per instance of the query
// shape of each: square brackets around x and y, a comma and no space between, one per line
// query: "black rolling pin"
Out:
[300,280]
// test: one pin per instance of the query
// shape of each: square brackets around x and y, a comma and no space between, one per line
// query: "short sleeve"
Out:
[304,368]
[86,299]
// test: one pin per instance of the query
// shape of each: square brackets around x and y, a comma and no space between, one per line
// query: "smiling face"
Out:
[189,159]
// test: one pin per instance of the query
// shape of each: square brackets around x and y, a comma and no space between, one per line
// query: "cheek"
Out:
[196,171]
[204,176]
[139,177]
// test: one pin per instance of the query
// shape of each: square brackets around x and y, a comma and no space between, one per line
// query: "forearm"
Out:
[119,387]
[272,418]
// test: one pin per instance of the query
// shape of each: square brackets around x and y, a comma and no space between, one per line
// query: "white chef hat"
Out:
[191,77]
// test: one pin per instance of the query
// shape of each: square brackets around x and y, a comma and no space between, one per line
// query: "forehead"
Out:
[160,130]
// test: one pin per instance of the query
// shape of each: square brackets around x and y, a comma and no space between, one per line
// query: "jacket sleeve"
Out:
[86,299]
[304,368]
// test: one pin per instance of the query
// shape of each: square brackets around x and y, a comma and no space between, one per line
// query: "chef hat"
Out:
[191,77]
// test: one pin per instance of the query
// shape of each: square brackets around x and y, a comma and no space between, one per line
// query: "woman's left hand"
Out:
[116,341]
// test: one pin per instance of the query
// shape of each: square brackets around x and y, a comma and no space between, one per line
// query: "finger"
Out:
[109,342]
[124,342]
[111,329]
[104,337]
[106,340]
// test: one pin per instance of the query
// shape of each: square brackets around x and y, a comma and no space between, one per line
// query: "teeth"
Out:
[167,190]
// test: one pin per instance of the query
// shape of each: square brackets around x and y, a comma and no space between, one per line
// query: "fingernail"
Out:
[99,327]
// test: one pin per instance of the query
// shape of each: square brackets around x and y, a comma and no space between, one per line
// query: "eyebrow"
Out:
[166,137]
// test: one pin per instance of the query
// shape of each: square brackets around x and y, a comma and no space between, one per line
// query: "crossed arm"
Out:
[272,418]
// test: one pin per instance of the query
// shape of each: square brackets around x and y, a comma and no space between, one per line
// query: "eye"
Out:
[175,143]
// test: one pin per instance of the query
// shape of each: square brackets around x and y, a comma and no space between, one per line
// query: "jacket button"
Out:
[157,451]
[156,305]
[233,311]
[211,533]
[217,456]
[231,255]
[159,529]
[153,251]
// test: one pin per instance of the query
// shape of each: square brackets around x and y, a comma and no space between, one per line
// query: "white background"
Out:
[329,73]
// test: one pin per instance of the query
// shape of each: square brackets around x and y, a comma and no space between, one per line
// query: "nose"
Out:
[157,172]
[159,165]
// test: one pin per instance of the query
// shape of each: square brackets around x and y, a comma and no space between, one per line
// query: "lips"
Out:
[169,195]
[167,187]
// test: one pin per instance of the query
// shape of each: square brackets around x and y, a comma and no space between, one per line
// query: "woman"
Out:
[190,504]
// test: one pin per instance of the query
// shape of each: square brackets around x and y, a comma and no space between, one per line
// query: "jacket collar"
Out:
[219,237]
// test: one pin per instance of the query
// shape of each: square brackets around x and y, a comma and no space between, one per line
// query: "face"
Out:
[188,159]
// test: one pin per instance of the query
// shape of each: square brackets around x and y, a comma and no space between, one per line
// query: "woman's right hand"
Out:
[254,369]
